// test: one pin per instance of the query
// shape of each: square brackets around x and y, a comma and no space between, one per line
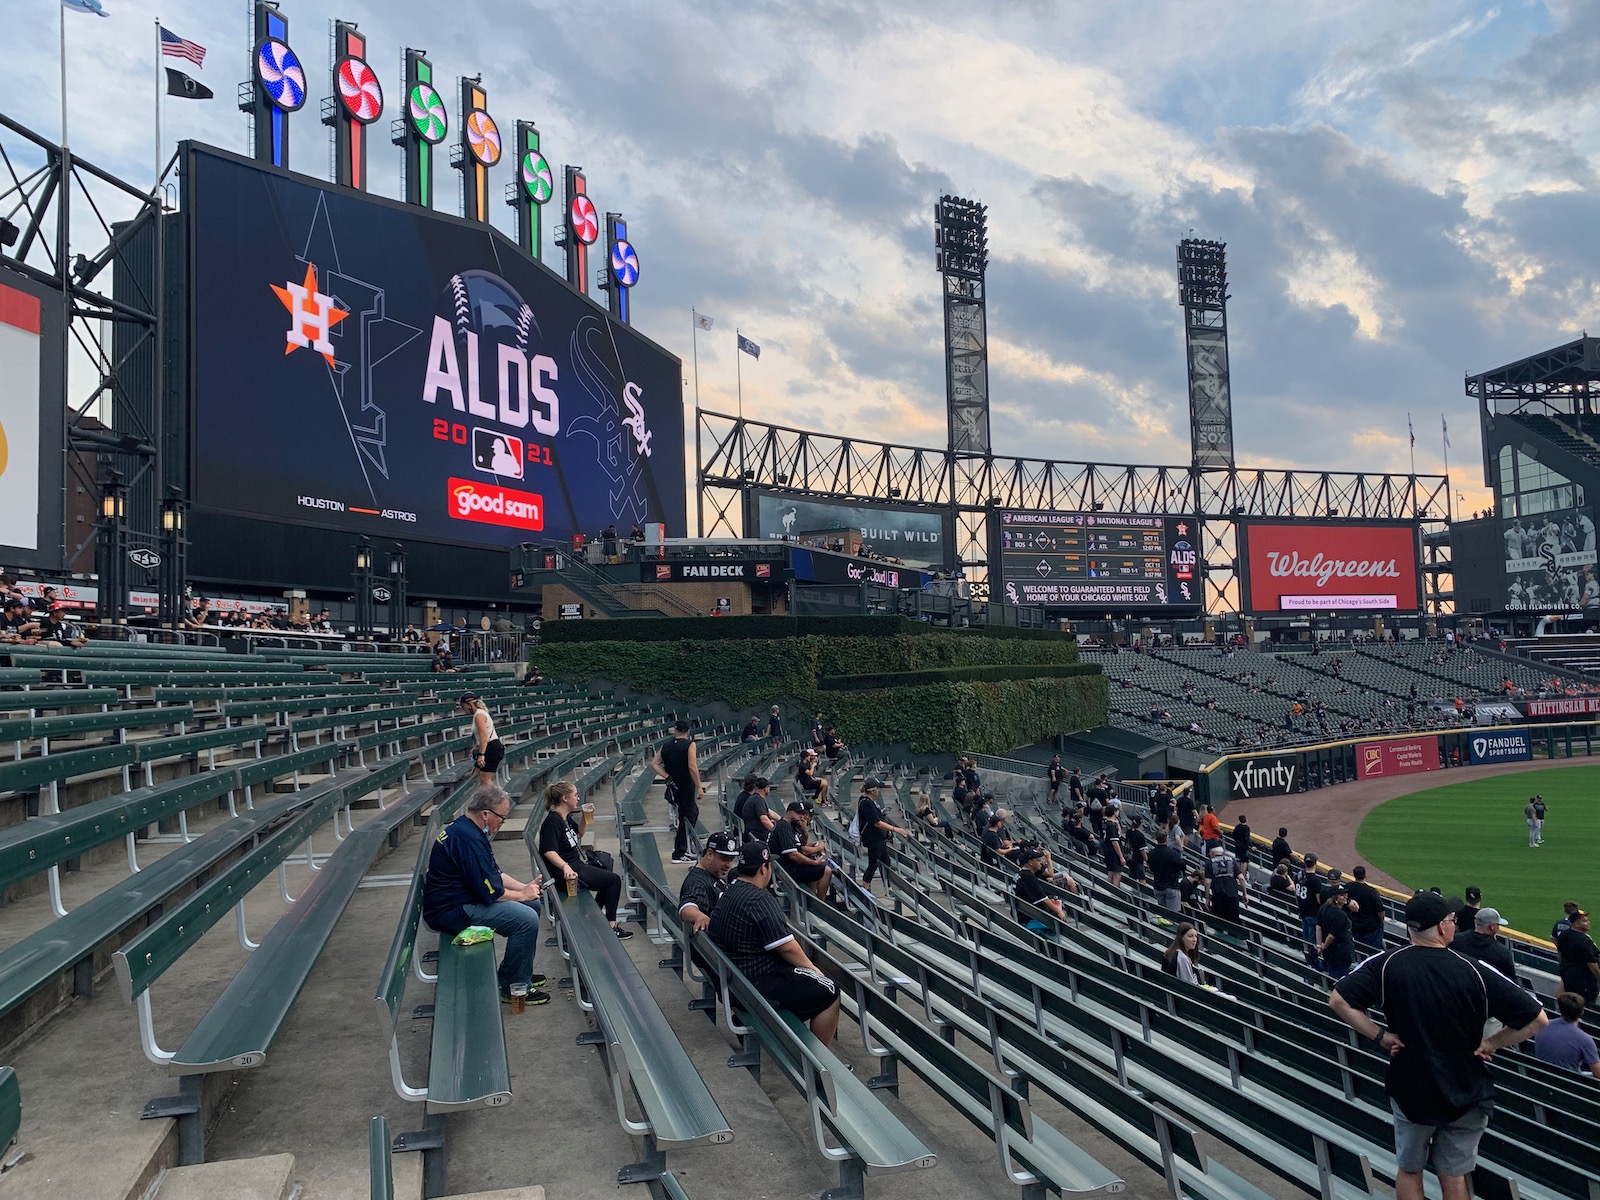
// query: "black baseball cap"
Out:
[1427,909]
[1474,895]
[753,855]
[871,783]
[802,806]
[724,844]
[1029,856]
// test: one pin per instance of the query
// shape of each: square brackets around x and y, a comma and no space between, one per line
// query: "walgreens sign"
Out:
[1320,567]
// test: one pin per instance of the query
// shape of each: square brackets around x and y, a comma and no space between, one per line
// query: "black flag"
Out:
[179,84]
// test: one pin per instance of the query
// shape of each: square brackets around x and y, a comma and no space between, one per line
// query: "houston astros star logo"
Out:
[312,315]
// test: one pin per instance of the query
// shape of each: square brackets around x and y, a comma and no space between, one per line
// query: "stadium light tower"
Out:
[961,233]
[1203,292]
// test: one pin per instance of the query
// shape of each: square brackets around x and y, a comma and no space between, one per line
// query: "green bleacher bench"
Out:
[239,1029]
[48,770]
[38,699]
[468,1066]
[872,1140]
[68,943]
[18,676]
[1049,1159]
[641,1049]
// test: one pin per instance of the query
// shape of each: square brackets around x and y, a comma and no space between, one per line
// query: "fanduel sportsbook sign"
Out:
[1500,747]
[1274,775]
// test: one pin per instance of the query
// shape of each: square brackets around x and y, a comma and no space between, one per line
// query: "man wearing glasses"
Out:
[1436,1003]
[465,886]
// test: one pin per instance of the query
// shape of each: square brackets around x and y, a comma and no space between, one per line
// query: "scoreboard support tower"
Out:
[1203,292]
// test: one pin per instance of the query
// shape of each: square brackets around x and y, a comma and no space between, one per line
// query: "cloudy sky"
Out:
[1407,191]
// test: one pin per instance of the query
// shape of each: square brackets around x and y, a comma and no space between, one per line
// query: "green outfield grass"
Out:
[1475,833]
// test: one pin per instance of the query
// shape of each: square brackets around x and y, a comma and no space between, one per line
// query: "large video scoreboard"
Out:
[1096,560]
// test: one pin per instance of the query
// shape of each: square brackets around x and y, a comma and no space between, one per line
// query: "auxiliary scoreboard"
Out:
[1096,560]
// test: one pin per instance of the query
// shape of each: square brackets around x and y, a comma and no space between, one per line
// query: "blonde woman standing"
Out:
[487,750]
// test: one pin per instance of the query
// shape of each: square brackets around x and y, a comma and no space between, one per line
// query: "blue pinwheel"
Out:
[281,75]
[624,263]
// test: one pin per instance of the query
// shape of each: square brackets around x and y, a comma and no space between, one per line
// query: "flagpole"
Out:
[160,113]
[738,374]
[1449,489]
[694,339]
[1412,434]
[63,9]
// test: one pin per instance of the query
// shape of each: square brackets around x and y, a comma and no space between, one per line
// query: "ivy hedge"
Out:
[938,690]
[723,629]
[978,674]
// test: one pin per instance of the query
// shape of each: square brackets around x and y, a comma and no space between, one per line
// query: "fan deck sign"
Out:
[1311,566]
[371,366]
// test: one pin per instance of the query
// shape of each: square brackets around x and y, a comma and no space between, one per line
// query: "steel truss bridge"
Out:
[734,455]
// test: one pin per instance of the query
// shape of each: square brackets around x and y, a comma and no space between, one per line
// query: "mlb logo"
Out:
[664,573]
[496,453]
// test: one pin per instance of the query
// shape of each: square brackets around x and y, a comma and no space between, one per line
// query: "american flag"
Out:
[176,47]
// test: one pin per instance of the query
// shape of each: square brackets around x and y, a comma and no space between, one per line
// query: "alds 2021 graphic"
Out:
[381,368]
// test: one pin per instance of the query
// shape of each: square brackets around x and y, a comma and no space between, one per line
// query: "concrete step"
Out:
[517,1193]
[268,1178]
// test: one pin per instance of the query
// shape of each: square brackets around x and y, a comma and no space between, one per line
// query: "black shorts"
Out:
[802,872]
[799,991]
[810,788]
[493,753]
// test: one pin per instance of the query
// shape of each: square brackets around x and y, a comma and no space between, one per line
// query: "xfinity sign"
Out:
[1278,775]
[1498,747]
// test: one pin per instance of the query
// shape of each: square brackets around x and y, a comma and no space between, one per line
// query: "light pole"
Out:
[363,578]
[174,550]
[397,592]
[112,548]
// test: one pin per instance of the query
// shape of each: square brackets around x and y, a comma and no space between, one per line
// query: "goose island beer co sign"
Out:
[1327,566]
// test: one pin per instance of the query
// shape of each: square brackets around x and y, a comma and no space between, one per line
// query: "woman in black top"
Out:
[1116,859]
[561,853]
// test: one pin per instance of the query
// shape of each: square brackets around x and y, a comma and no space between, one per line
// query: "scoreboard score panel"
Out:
[1098,560]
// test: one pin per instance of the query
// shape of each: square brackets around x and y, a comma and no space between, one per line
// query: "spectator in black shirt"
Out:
[1467,914]
[1137,846]
[1565,923]
[1335,938]
[1114,853]
[804,859]
[1241,839]
[751,731]
[1483,943]
[562,853]
[1030,889]
[1280,847]
[775,726]
[1366,910]
[1186,814]
[1436,1004]
[996,845]
[704,883]
[1166,873]
[875,829]
[677,762]
[833,745]
[465,886]
[1225,886]
[1055,775]
[752,810]
[1580,966]
[748,926]
[1075,785]
[1308,892]
[805,774]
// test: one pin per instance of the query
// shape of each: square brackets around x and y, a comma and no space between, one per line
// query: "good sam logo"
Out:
[489,504]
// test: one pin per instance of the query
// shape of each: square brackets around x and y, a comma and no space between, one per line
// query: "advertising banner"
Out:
[31,414]
[820,567]
[1400,756]
[916,536]
[1500,746]
[372,366]
[1564,706]
[1322,566]
[1263,775]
